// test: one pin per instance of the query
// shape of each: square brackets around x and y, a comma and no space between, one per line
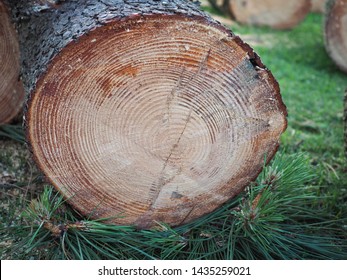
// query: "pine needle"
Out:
[13,132]
[279,216]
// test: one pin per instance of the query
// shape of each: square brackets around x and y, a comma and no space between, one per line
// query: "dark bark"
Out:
[44,29]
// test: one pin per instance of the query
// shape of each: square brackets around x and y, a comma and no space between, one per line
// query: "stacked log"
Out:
[11,89]
[144,111]
[277,14]
[318,6]
[335,32]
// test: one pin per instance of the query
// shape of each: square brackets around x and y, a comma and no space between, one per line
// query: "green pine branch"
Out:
[280,216]
[13,132]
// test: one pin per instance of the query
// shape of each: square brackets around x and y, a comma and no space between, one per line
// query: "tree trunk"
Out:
[318,6]
[11,89]
[145,111]
[335,32]
[278,14]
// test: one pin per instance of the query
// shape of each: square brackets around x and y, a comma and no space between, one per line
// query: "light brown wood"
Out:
[154,118]
[278,14]
[11,89]
[336,32]
[318,6]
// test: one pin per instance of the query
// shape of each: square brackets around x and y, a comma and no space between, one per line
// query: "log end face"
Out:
[277,14]
[11,88]
[336,33]
[154,119]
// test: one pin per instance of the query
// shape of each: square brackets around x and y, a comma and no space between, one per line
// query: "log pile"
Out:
[277,14]
[11,89]
[335,32]
[318,6]
[144,111]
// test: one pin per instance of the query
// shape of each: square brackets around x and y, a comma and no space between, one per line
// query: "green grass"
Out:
[301,196]
[14,132]
[312,88]
[279,217]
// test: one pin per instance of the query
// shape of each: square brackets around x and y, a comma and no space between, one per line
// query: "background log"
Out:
[318,6]
[144,111]
[221,6]
[11,89]
[336,32]
[278,14]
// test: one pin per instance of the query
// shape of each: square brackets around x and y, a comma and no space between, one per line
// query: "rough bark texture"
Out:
[47,29]
[11,89]
[278,14]
[144,111]
[336,32]
[318,6]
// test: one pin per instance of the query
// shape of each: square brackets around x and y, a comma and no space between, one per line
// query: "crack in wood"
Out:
[156,188]
[174,92]
[187,215]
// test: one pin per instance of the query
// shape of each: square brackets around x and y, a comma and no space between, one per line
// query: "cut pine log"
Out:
[318,6]
[11,88]
[145,111]
[278,14]
[335,32]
